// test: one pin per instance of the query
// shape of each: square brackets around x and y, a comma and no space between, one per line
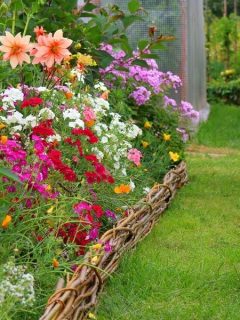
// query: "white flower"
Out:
[16,117]
[116,165]
[132,185]
[124,171]
[41,89]
[53,138]
[16,129]
[71,113]
[104,139]
[101,86]
[146,190]
[30,121]
[77,123]
[12,95]
[80,76]
[46,113]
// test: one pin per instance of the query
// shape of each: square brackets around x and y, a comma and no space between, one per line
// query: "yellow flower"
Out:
[97,246]
[174,156]
[50,210]
[55,263]
[78,46]
[3,139]
[166,137]
[48,187]
[123,188]
[2,126]
[147,125]
[145,144]
[91,316]
[6,221]
[94,260]
[85,60]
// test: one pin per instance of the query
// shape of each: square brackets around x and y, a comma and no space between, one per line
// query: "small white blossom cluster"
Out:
[75,116]
[16,119]
[17,284]
[115,140]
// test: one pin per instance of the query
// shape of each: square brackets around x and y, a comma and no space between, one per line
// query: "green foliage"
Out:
[228,91]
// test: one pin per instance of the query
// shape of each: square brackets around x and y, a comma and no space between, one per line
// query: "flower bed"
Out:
[81,291]
[85,129]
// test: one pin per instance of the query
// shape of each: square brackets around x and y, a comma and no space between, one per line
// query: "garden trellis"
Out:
[185,55]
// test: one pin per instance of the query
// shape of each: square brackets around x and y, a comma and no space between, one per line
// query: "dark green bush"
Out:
[227,91]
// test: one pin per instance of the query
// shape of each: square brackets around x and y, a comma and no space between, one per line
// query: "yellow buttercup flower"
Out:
[94,260]
[145,144]
[166,137]
[6,221]
[91,316]
[2,126]
[50,210]
[97,246]
[147,125]
[174,156]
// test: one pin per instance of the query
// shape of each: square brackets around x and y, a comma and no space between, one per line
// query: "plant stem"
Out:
[27,23]
[13,21]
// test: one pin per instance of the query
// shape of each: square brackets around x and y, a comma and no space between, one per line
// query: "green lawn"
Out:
[189,266]
[223,129]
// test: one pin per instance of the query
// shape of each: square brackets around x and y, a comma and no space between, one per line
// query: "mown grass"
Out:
[222,129]
[189,266]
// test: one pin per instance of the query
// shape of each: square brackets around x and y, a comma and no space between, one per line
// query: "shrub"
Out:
[228,91]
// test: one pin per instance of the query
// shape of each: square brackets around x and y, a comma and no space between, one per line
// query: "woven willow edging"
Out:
[81,292]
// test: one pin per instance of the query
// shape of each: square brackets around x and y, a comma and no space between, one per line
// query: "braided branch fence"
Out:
[74,300]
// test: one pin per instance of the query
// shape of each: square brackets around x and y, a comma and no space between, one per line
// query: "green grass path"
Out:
[189,266]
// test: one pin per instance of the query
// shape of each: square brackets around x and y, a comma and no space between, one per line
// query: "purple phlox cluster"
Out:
[141,95]
[150,78]
[169,102]
[188,111]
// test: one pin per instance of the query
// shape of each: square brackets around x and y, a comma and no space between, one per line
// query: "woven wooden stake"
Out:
[81,291]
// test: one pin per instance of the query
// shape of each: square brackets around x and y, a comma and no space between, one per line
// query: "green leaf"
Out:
[129,20]
[142,44]
[133,6]
[150,56]
[157,46]
[103,58]
[8,173]
[89,7]
[140,63]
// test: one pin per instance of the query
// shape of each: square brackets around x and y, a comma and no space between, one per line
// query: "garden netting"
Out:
[184,56]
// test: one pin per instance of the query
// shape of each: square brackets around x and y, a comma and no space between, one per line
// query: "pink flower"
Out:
[15,48]
[39,31]
[135,156]
[89,114]
[51,49]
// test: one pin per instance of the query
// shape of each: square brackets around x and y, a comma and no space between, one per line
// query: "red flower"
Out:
[43,129]
[85,132]
[68,173]
[98,210]
[32,102]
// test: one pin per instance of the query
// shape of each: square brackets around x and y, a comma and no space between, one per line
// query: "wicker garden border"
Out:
[80,294]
